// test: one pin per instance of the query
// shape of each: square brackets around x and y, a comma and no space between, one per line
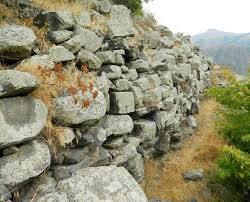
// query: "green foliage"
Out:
[134,5]
[234,169]
[234,163]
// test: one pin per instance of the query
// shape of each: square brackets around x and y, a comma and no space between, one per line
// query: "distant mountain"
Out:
[226,48]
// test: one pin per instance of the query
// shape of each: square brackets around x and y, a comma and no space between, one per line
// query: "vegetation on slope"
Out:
[234,162]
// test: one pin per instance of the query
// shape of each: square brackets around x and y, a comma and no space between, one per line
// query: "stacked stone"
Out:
[148,91]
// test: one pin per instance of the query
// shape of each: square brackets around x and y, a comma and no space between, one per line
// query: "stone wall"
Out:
[148,86]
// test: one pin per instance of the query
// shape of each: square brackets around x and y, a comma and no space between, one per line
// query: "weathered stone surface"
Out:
[83,19]
[102,184]
[60,36]
[163,143]
[162,59]
[135,166]
[152,97]
[50,197]
[21,119]
[147,83]
[89,156]
[120,24]
[16,42]
[88,39]
[140,65]
[111,71]
[117,124]
[164,118]
[102,83]
[45,61]
[121,85]
[10,150]
[94,135]
[194,175]
[191,122]
[59,20]
[14,83]
[61,54]
[126,152]
[104,6]
[5,194]
[114,143]
[70,113]
[144,129]
[31,160]
[122,102]
[110,58]
[88,58]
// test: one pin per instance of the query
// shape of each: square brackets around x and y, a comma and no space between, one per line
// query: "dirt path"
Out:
[163,180]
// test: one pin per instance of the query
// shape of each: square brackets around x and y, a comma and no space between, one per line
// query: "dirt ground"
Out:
[163,178]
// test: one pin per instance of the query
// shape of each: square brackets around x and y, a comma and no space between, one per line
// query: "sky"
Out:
[197,16]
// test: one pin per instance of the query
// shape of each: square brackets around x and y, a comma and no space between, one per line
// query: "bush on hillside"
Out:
[134,5]
[234,162]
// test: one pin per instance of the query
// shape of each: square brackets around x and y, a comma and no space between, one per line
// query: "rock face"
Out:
[31,160]
[21,118]
[120,24]
[102,184]
[14,83]
[16,42]
[69,113]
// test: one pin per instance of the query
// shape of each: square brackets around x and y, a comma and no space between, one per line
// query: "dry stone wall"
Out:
[148,88]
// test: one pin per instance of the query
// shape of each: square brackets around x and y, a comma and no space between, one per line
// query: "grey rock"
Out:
[121,85]
[94,135]
[88,58]
[140,65]
[83,19]
[194,175]
[166,78]
[158,200]
[191,122]
[113,143]
[60,36]
[14,83]
[147,83]
[110,58]
[102,83]
[144,129]
[126,152]
[16,42]
[22,119]
[162,59]
[176,145]
[55,197]
[97,184]
[122,102]
[59,20]
[130,75]
[66,136]
[120,24]
[163,143]
[152,97]
[111,71]
[74,44]
[89,39]
[61,54]
[42,185]
[117,124]
[68,112]
[5,194]
[135,166]
[10,150]
[45,61]
[104,6]
[164,118]
[31,160]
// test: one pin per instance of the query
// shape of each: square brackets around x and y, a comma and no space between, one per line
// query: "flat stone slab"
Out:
[21,119]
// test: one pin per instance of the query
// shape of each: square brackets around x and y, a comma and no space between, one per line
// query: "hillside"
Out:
[226,48]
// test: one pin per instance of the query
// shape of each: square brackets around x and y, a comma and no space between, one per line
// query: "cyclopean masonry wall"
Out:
[148,90]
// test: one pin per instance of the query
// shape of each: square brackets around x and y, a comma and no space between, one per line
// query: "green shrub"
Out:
[234,169]
[134,5]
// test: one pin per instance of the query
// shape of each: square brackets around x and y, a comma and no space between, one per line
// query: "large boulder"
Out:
[21,119]
[102,184]
[14,83]
[16,42]
[68,112]
[120,24]
[144,129]
[60,36]
[31,160]
[61,54]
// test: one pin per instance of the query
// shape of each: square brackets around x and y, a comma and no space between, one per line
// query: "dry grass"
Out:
[55,5]
[164,180]
[222,74]
[53,83]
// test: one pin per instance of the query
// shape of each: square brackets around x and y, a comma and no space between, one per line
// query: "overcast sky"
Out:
[196,16]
